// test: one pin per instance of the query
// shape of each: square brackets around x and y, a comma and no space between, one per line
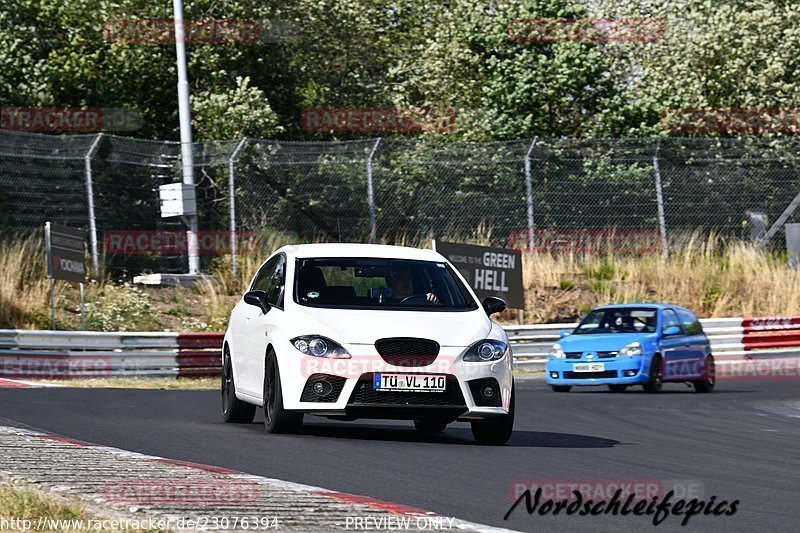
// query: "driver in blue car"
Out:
[401,283]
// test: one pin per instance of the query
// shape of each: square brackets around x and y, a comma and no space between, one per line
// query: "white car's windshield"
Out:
[619,320]
[375,283]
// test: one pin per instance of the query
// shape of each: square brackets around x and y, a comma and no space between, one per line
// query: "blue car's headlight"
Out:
[557,351]
[487,350]
[632,349]
[319,346]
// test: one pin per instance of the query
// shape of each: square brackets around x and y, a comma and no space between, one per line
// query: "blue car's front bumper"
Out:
[616,371]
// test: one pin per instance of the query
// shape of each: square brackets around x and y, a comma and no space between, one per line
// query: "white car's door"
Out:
[257,326]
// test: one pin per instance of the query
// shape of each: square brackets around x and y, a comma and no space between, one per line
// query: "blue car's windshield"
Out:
[619,320]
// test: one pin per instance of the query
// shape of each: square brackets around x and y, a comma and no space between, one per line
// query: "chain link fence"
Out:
[638,195]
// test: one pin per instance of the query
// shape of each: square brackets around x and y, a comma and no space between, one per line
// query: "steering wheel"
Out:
[416,297]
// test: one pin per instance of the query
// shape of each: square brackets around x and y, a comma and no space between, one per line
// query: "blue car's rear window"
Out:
[619,320]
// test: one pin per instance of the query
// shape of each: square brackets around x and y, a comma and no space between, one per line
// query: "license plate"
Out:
[589,367]
[409,382]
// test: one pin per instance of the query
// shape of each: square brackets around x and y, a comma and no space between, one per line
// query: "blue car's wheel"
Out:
[709,377]
[656,376]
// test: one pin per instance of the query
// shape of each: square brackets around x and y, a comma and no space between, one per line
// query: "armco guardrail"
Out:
[66,354]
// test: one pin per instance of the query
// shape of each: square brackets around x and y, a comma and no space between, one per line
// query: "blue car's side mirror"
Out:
[671,331]
[563,333]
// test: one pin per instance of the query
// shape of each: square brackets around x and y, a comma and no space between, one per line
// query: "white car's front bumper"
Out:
[352,394]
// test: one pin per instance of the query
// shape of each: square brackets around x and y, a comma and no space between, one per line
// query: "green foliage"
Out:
[242,111]
[566,284]
[604,272]
[407,53]
[123,307]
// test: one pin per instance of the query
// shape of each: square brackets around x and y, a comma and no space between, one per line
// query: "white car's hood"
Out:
[367,326]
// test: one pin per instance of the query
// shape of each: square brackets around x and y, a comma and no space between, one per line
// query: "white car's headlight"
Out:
[486,350]
[632,349]
[557,351]
[319,346]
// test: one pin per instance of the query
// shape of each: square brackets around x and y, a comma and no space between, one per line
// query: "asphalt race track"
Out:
[741,442]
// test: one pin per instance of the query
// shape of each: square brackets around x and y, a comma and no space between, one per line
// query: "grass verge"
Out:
[22,502]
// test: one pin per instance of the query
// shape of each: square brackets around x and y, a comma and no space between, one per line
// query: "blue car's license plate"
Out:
[588,367]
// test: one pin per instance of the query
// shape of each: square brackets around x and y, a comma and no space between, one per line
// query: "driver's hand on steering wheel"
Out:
[432,297]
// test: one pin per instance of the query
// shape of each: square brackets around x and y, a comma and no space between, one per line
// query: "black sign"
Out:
[489,271]
[66,253]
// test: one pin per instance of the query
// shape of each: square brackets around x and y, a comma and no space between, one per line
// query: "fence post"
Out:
[373,223]
[529,196]
[778,224]
[662,223]
[87,162]
[232,198]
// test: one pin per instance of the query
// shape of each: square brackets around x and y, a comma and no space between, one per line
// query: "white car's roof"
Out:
[360,250]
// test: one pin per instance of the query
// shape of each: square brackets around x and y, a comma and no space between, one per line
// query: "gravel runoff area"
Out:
[151,492]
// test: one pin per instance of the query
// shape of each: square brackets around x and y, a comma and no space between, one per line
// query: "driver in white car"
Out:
[402,285]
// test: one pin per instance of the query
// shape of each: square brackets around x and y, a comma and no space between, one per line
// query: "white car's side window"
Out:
[275,283]
[262,278]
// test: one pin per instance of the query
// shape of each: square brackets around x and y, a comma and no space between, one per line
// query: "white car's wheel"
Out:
[234,410]
[276,418]
[495,431]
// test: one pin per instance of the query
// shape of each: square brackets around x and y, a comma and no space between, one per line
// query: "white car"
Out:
[349,331]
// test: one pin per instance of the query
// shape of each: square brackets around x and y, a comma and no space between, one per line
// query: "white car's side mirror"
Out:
[258,299]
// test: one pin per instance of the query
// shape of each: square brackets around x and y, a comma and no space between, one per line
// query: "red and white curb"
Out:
[343,502]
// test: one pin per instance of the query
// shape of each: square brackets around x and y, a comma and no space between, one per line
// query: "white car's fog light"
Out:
[487,392]
[322,387]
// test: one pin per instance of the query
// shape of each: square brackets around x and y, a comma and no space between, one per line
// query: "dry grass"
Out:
[24,289]
[706,274]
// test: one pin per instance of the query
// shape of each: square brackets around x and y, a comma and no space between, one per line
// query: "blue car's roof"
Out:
[650,305]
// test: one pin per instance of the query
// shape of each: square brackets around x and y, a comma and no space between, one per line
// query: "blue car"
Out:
[633,344]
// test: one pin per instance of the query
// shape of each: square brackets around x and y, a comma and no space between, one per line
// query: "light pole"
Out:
[185,117]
